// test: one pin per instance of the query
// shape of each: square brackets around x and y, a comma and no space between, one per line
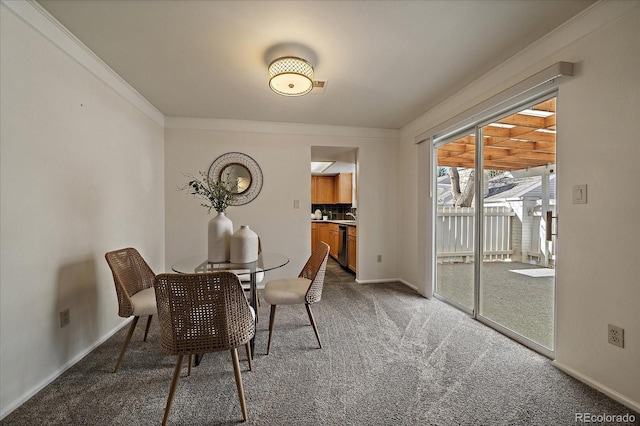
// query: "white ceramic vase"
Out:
[244,246]
[220,231]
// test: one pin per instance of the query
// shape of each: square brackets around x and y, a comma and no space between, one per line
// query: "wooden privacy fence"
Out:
[455,233]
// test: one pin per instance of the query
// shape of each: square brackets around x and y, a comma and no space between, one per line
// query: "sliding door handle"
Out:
[549,225]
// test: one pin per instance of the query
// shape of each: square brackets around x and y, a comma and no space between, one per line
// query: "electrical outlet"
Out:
[64,318]
[616,336]
[379,258]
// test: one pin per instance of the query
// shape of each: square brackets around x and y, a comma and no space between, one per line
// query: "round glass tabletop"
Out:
[266,262]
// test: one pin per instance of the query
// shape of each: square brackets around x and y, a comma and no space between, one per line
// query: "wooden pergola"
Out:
[523,140]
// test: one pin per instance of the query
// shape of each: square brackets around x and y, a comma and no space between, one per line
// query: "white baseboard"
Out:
[383,280]
[634,405]
[58,372]
[388,280]
[408,284]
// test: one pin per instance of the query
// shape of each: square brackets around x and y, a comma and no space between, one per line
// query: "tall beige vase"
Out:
[220,231]
[244,245]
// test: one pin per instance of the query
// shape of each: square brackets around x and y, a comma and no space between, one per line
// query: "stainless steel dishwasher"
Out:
[343,256]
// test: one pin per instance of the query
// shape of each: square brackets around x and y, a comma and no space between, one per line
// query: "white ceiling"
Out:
[386,62]
[344,158]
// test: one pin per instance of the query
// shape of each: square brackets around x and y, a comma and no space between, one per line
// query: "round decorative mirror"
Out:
[242,171]
[236,173]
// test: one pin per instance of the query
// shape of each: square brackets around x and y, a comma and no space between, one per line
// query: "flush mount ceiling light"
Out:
[290,76]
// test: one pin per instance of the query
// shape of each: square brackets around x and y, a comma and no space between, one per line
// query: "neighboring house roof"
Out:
[501,187]
[505,187]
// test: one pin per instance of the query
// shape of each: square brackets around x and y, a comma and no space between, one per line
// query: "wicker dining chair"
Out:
[306,288]
[201,313]
[133,279]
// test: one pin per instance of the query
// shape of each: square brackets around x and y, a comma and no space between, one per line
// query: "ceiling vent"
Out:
[319,86]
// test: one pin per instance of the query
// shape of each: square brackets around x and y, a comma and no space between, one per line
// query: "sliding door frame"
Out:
[493,114]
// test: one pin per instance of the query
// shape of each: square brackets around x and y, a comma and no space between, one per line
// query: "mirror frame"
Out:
[252,167]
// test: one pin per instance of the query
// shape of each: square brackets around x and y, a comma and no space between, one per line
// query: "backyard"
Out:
[522,302]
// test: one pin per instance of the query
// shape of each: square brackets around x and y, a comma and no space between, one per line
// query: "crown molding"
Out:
[228,125]
[42,21]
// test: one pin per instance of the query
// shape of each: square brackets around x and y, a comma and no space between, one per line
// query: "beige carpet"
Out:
[390,357]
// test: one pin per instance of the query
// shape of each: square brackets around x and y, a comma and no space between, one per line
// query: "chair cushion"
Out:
[286,291]
[144,302]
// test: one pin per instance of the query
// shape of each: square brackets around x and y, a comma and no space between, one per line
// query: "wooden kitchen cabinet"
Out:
[351,248]
[343,188]
[322,190]
[332,189]
[328,233]
[334,240]
[323,233]
[314,235]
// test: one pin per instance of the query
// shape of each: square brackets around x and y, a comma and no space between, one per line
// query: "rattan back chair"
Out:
[202,313]
[133,279]
[306,288]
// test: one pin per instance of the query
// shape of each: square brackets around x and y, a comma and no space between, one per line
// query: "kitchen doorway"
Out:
[334,202]
[331,161]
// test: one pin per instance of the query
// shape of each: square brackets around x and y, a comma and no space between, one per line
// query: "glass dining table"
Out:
[266,262]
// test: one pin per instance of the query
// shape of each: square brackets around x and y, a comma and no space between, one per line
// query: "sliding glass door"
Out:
[455,221]
[517,281]
[495,241]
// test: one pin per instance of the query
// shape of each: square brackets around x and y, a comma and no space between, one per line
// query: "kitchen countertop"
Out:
[341,222]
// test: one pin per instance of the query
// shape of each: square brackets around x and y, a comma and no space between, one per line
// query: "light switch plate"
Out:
[579,194]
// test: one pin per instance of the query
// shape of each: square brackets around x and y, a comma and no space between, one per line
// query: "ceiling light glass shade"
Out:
[290,76]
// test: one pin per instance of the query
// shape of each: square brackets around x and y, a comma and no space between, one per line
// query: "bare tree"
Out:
[465,198]
[461,198]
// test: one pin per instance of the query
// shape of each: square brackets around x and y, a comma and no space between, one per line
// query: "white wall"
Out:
[283,152]
[598,274]
[83,171]
[81,174]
